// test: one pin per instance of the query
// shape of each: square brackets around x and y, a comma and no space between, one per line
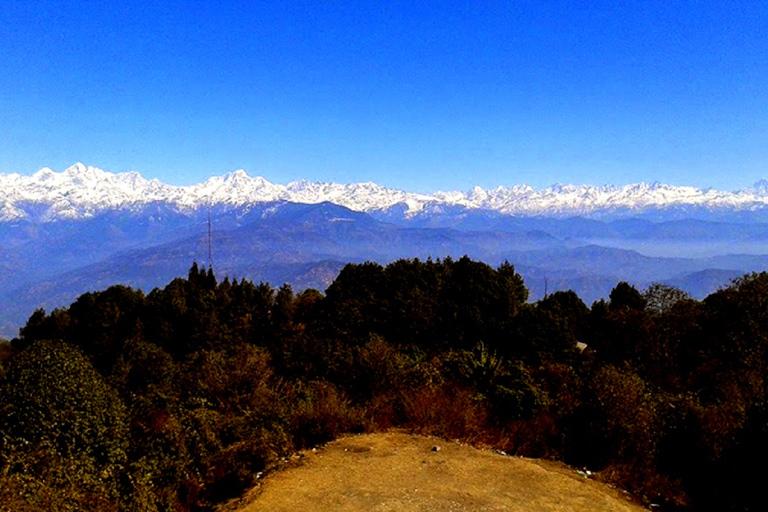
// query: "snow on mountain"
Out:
[82,191]
[760,187]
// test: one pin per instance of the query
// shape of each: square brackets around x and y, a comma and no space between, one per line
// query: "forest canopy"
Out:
[179,398]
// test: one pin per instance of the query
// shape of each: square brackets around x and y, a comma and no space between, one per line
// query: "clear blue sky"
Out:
[418,95]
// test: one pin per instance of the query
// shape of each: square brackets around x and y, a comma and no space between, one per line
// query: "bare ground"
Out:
[396,471]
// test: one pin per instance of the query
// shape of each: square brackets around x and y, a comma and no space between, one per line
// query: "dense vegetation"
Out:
[177,399]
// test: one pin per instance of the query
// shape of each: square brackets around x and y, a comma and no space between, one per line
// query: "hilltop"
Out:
[406,473]
[183,398]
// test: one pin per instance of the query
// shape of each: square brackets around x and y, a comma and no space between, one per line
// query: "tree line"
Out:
[178,399]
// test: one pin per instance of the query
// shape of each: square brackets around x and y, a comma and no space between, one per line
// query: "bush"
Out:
[448,411]
[62,428]
[322,413]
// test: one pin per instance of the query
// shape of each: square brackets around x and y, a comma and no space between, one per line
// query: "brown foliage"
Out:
[448,411]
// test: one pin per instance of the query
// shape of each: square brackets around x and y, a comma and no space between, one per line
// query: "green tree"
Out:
[101,322]
[550,329]
[625,296]
[61,426]
[355,302]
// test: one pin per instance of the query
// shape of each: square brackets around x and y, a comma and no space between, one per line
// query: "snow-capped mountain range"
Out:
[82,191]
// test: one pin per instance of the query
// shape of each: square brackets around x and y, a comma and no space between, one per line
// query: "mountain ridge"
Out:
[65,233]
[82,191]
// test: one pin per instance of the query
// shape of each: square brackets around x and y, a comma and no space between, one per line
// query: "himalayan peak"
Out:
[82,191]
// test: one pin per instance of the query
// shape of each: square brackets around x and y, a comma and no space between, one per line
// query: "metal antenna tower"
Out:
[210,241]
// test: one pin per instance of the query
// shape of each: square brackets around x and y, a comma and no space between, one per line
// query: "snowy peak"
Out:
[83,191]
[760,187]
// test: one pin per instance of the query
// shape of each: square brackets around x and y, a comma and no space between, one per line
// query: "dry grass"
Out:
[400,472]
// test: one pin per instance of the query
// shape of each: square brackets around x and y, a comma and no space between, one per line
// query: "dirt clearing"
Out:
[400,472]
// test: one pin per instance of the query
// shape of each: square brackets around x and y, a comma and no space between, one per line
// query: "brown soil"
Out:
[400,472]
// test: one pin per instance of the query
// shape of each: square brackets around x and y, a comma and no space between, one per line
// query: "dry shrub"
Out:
[383,412]
[447,411]
[646,485]
[535,437]
[719,425]
[378,369]
[625,417]
[50,491]
[233,470]
[322,414]
[234,381]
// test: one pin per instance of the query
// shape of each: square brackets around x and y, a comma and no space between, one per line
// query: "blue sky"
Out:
[418,95]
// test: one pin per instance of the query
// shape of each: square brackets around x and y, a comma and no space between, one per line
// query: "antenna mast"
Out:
[210,241]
